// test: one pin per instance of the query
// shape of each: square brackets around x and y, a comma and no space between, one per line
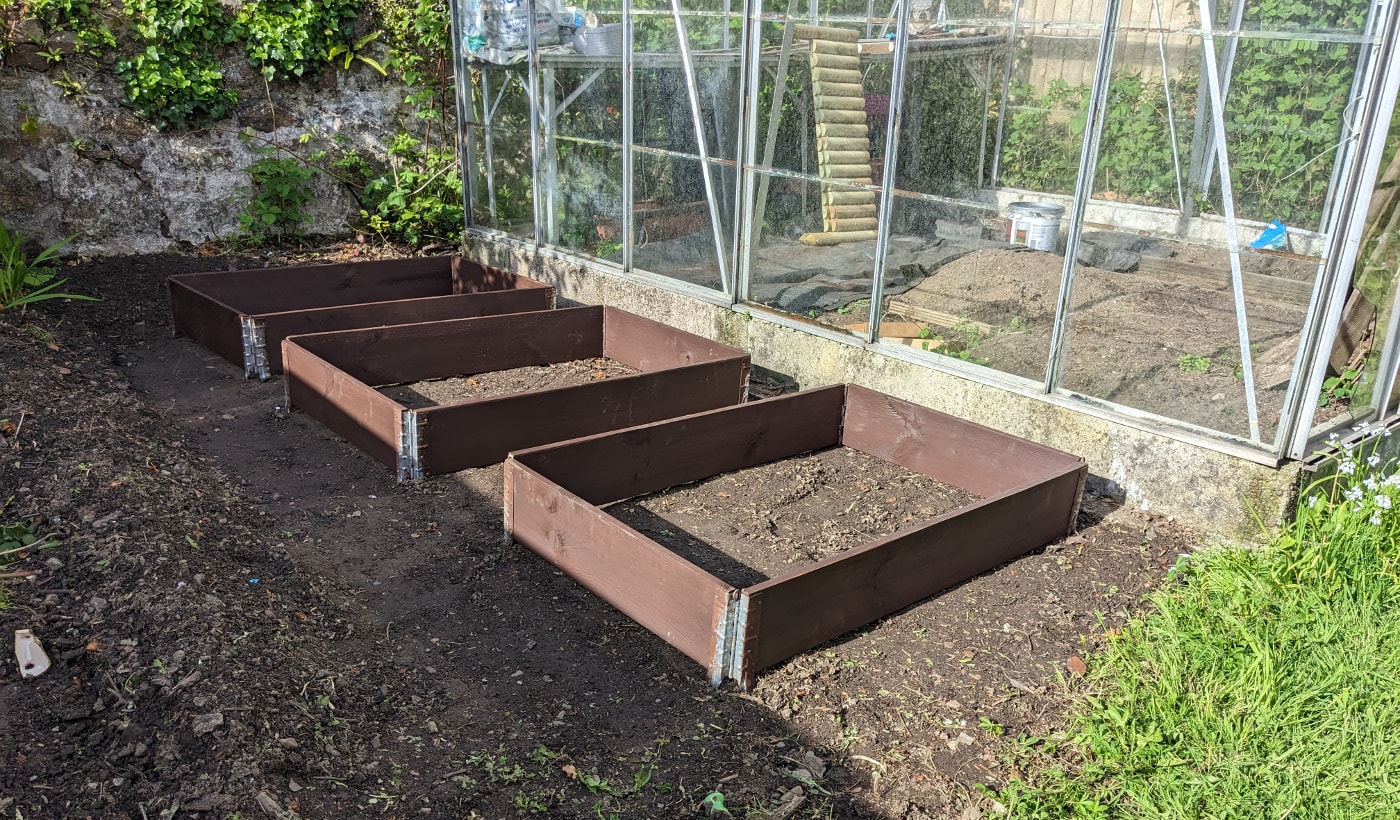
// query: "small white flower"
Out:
[1373,460]
[1359,427]
[1346,467]
[1392,480]
[1383,501]
[1375,519]
[1371,483]
[1353,494]
[1333,438]
[1385,433]
[1312,502]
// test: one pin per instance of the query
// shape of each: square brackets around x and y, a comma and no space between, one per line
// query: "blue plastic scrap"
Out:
[1273,238]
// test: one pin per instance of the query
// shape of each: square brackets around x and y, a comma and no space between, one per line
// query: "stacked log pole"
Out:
[843,138]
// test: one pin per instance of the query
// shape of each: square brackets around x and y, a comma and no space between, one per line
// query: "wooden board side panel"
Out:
[435,350]
[477,433]
[279,326]
[957,452]
[649,345]
[474,277]
[360,414]
[606,468]
[654,587]
[204,319]
[273,290]
[797,612]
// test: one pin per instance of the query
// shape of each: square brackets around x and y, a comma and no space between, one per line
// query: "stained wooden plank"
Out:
[832,144]
[363,416]
[837,75]
[834,129]
[610,467]
[839,117]
[1256,284]
[803,31]
[833,47]
[278,326]
[811,606]
[207,320]
[474,277]
[837,238]
[981,460]
[843,103]
[650,345]
[476,433]
[275,290]
[937,317]
[842,62]
[650,584]
[434,350]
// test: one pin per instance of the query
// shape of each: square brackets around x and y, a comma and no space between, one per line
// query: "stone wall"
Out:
[79,163]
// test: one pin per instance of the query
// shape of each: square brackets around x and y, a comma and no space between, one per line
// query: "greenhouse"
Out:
[1162,235]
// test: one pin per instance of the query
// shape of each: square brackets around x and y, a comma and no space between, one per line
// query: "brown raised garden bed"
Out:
[333,377]
[244,315]
[554,499]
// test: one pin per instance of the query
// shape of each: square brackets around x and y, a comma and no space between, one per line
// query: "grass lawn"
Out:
[1262,683]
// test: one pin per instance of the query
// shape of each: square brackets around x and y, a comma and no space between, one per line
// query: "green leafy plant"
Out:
[1190,363]
[1340,388]
[288,38]
[280,192]
[83,18]
[25,280]
[352,51]
[174,77]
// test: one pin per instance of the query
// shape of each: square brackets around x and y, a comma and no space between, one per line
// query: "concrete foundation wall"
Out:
[1215,491]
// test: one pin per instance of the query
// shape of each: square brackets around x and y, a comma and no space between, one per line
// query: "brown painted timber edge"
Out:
[208,321]
[623,464]
[359,413]
[398,354]
[796,612]
[658,589]
[298,287]
[473,434]
[278,326]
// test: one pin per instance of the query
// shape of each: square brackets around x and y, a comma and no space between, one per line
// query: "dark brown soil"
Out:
[419,395]
[248,617]
[751,525]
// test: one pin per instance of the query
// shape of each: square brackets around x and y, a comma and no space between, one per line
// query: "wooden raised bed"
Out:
[333,376]
[244,315]
[554,497]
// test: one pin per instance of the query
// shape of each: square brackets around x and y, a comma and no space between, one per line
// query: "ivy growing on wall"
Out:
[288,38]
[174,78]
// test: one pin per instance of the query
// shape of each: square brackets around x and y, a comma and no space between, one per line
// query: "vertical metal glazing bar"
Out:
[887,180]
[1171,113]
[549,121]
[758,204]
[692,91]
[466,136]
[629,62]
[1203,144]
[986,120]
[1375,112]
[750,213]
[533,93]
[1358,90]
[1227,196]
[1083,186]
[746,137]
[995,178]
[488,109]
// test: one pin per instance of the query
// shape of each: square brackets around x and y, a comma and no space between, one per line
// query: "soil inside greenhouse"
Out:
[495,383]
[763,522]
[247,616]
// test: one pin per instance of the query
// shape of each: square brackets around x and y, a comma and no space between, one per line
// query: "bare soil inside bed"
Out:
[751,525]
[249,617]
[495,383]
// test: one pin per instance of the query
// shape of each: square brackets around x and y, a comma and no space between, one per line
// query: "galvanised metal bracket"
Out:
[410,466]
[729,641]
[254,350]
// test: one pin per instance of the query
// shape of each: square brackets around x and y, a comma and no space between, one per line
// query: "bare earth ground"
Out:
[247,616]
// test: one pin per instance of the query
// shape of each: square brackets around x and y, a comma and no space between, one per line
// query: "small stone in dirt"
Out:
[204,724]
[288,743]
[971,813]
[293,786]
[815,764]
[1076,666]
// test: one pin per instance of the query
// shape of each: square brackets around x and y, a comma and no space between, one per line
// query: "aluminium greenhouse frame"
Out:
[1377,80]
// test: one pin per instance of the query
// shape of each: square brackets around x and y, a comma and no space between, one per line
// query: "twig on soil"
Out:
[24,573]
[452,774]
